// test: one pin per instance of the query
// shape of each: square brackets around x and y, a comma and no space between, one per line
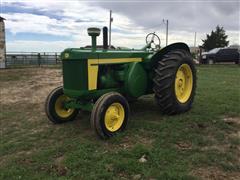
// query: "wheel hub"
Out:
[114,117]
[183,83]
[60,108]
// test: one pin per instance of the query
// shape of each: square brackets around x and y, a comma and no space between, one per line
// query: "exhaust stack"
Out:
[105,37]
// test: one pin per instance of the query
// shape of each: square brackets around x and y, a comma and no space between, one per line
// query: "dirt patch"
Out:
[213,173]
[59,166]
[225,146]
[129,142]
[218,148]
[213,145]
[232,120]
[59,160]
[30,90]
[184,145]
[235,122]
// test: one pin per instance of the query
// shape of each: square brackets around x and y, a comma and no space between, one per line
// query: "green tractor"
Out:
[104,80]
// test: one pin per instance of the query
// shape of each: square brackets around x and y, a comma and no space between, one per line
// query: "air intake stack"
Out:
[94,32]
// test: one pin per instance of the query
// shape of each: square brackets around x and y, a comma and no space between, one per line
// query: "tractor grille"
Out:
[75,75]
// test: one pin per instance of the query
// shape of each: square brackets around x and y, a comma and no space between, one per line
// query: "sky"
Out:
[53,25]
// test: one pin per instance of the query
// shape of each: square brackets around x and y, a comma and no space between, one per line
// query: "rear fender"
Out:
[159,55]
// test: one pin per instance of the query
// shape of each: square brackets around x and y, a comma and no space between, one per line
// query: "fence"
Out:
[32,58]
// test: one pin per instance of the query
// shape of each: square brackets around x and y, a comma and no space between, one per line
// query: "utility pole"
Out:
[166,30]
[110,28]
[195,38]
[167,33]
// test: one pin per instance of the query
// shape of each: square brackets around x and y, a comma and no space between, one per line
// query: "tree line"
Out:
[217,38]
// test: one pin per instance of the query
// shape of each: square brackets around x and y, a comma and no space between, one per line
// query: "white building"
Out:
[2,44]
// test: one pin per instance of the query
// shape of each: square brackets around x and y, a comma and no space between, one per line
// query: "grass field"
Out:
[203,143]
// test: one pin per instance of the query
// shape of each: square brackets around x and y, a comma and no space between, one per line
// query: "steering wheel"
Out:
[153,39]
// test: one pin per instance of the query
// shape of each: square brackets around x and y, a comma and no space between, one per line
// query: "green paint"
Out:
[94,32]
[75,75]
[86,106]
[135,80]
[131,79]
[82,53]
[89,95]
[108,80]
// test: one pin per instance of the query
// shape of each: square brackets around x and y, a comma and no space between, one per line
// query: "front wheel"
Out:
[211,61]
[175,82]
[110,115]
[55,109]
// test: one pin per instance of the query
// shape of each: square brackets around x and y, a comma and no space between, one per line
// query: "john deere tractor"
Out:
[104,80]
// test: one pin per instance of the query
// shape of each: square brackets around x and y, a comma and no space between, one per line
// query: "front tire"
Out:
[237,62]
[175,82]
[110,115]
[210,61]
[54,107]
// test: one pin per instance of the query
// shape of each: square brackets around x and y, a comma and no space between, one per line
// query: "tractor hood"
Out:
[82,53]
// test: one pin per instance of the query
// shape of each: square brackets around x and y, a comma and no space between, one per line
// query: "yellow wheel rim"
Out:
[114,117]
[183,83]
[60,109]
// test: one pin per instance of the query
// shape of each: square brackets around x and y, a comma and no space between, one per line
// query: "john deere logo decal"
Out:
[66,55]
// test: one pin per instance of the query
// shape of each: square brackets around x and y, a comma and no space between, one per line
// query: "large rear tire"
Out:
[175,82]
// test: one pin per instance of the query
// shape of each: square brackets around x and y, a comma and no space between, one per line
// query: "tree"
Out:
[217,38]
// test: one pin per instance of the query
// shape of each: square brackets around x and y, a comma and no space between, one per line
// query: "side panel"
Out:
[135,80]
[93,68]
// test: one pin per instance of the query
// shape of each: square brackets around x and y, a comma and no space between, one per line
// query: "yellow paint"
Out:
[114,117]
[183,83]
[93,68]
[92,74]
[60,110]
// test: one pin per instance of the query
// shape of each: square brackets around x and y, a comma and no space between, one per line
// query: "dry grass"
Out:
[213,173]
[33,87]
